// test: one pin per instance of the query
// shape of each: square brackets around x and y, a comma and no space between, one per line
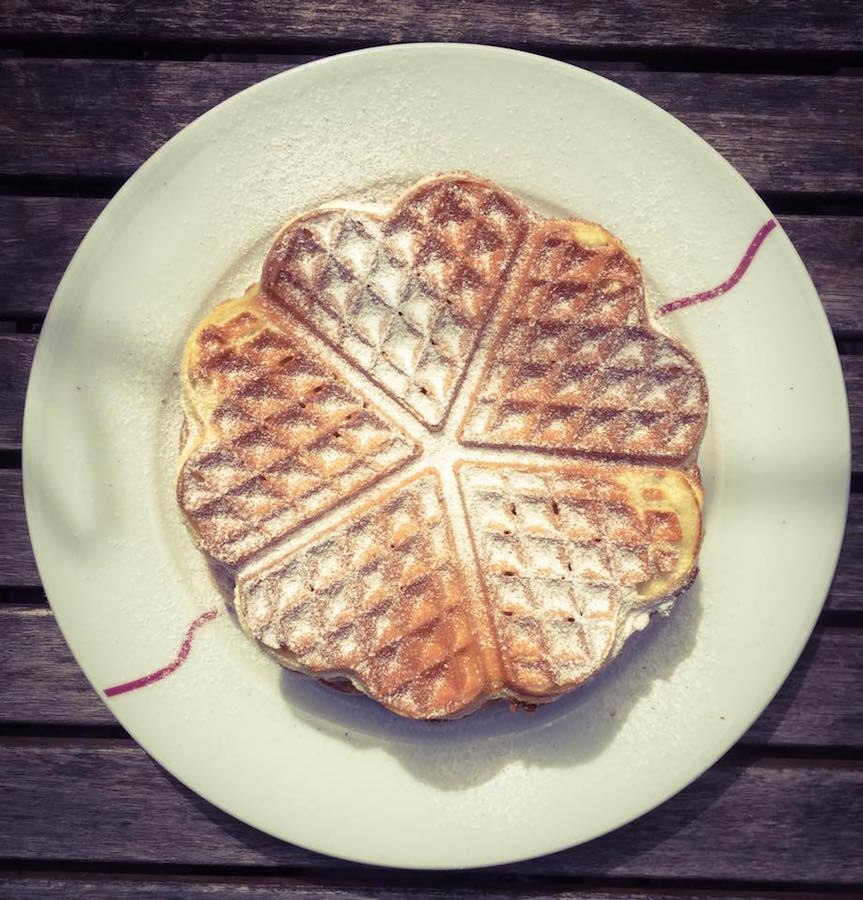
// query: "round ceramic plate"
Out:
[335,772]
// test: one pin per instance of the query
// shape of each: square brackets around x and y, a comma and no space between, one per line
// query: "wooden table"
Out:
[87,92]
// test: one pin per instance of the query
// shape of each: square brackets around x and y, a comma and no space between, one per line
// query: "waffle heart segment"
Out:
[380,600]
[273,436]
[569,554]
[578,367]
[403,294]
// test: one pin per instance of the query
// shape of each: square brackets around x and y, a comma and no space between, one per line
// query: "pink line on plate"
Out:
[159,674]
[729,283]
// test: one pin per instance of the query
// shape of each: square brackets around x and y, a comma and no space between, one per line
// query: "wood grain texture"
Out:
[17,565]
[775,25]
[819,705]
[16,357]
[38,236]
[832,249]
[40,682]
[67,117]
[763,821]
[852,368]
[360,884]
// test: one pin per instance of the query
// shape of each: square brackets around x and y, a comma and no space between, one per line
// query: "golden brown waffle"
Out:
[378,599]
[273,435]
[578,366]
[403,295]
[568,553]
[543,521]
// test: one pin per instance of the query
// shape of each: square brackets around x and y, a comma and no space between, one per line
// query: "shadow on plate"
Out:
[467,752]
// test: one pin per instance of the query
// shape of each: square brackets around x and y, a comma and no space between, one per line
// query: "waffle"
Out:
[569,554]
[403,295]
[527,500]
[273,436]
[379,600]
[577,365]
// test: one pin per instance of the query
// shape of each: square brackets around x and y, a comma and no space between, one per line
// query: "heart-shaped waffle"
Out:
[272,436]
[378,599]
[402,294]
[578,366]
[505,525]
[563,548]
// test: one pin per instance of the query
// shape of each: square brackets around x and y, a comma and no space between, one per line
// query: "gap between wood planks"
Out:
[104,187]
[670,59]
[849,343]
[17,350]
[34,596]
[10,459]
[292,881]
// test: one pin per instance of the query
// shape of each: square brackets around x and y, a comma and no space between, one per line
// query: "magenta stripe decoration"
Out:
[159,674]
[730,282]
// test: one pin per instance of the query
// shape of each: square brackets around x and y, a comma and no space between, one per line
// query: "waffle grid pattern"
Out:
[578,367]
[559,548]
[286,440]
[378,596]
[403,297]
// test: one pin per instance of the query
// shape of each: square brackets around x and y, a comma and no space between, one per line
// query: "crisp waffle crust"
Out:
[443,449]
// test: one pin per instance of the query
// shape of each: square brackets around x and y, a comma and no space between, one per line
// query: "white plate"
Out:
[335,773]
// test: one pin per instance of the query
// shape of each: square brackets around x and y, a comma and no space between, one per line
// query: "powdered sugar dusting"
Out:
[404,295]
[374,290]
[562,550]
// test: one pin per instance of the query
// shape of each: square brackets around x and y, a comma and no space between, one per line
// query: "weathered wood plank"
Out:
[40,682]
[832,249]
[763,821]
[852,367]
[361,884]
[819,705]
[17,565]
[66,117]
[126,108]
[38,236]
[18,568]
[16,357]
[776,25]
[846,592]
